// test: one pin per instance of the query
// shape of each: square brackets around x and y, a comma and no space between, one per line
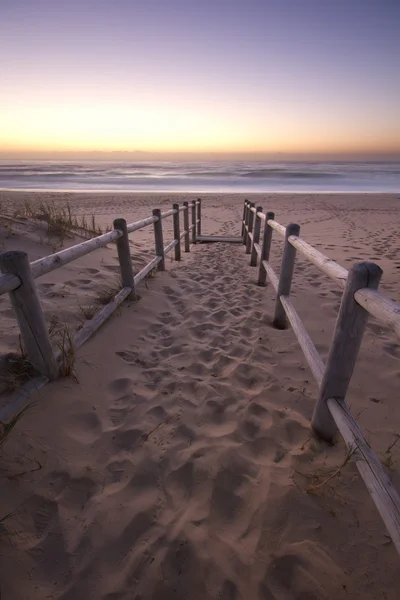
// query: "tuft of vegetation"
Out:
[87,312]
[317,482]
[388,459]
[108,293]
[64,340]
[15,370]
[67,353]
[7,428]
[323,480]
[61,221]
[7,516]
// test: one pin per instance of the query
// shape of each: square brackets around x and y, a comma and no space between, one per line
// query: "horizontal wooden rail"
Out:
[169,247]
[8,283]
[97,321]
[310,352]
[146,270]
[324,264]
[168,213]
[271,274]
[183,208]
[131,227]
[182,235]
[277,226]
[54,261]
[380,487]
[383,309]
[219,238]
[257,249]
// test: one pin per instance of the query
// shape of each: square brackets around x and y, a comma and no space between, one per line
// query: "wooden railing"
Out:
[19,276]
[360,298]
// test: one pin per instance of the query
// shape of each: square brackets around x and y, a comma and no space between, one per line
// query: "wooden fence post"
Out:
[265,249]
[285,277]
[256,237]
[199,216]
[158,237]
[193,222]
[246,221]
[186,226]
[26,304]
[177,232]
[250,229]
[346,341]
[124,257]
[244,217]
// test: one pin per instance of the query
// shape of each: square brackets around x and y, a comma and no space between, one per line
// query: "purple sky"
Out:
[283,75]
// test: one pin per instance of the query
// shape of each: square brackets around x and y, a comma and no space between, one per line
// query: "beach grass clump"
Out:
[60,219]
[15,370]
[7,428]
[67,354]
[88,311]
[108,293]
[388,458]
[63,337]
[320,480]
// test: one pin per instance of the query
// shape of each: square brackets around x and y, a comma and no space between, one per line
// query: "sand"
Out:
[178,465]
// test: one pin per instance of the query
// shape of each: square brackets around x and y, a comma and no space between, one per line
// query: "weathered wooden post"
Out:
[285,278]
[124,256]
[346,341]
[250,228]
[256,237]
[28,310]
[186,226]
[246,221]
[199,216]
[158,237]
[177,232]
[193,221]
[244,217]
[265,249]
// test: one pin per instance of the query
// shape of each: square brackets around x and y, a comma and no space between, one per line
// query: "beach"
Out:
[179,461]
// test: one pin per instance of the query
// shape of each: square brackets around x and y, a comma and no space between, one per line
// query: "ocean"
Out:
[221,176]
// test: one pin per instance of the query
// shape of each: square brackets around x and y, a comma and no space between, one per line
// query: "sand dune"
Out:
[179,465]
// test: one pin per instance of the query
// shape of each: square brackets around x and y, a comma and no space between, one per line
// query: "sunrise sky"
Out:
[214,75]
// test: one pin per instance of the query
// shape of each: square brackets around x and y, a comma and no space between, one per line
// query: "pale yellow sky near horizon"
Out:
[57,124]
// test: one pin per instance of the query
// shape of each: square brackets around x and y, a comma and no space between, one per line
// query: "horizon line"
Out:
[200,154]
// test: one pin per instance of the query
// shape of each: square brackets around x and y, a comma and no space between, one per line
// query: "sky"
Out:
[215,76]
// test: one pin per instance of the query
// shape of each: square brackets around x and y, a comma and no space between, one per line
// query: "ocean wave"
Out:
[201,176]
[268,173]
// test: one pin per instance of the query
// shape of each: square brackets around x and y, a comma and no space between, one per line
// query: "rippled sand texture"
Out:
[179,465]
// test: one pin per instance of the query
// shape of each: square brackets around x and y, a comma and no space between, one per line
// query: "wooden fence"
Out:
[360,298]
[19,276]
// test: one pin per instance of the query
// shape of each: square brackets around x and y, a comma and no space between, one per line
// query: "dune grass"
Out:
[7,428]
[15,370]
[61,220]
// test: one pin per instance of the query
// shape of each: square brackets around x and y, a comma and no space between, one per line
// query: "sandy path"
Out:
[178,466]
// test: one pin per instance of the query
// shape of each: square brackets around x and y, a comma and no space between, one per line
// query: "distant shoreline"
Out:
[204,193]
